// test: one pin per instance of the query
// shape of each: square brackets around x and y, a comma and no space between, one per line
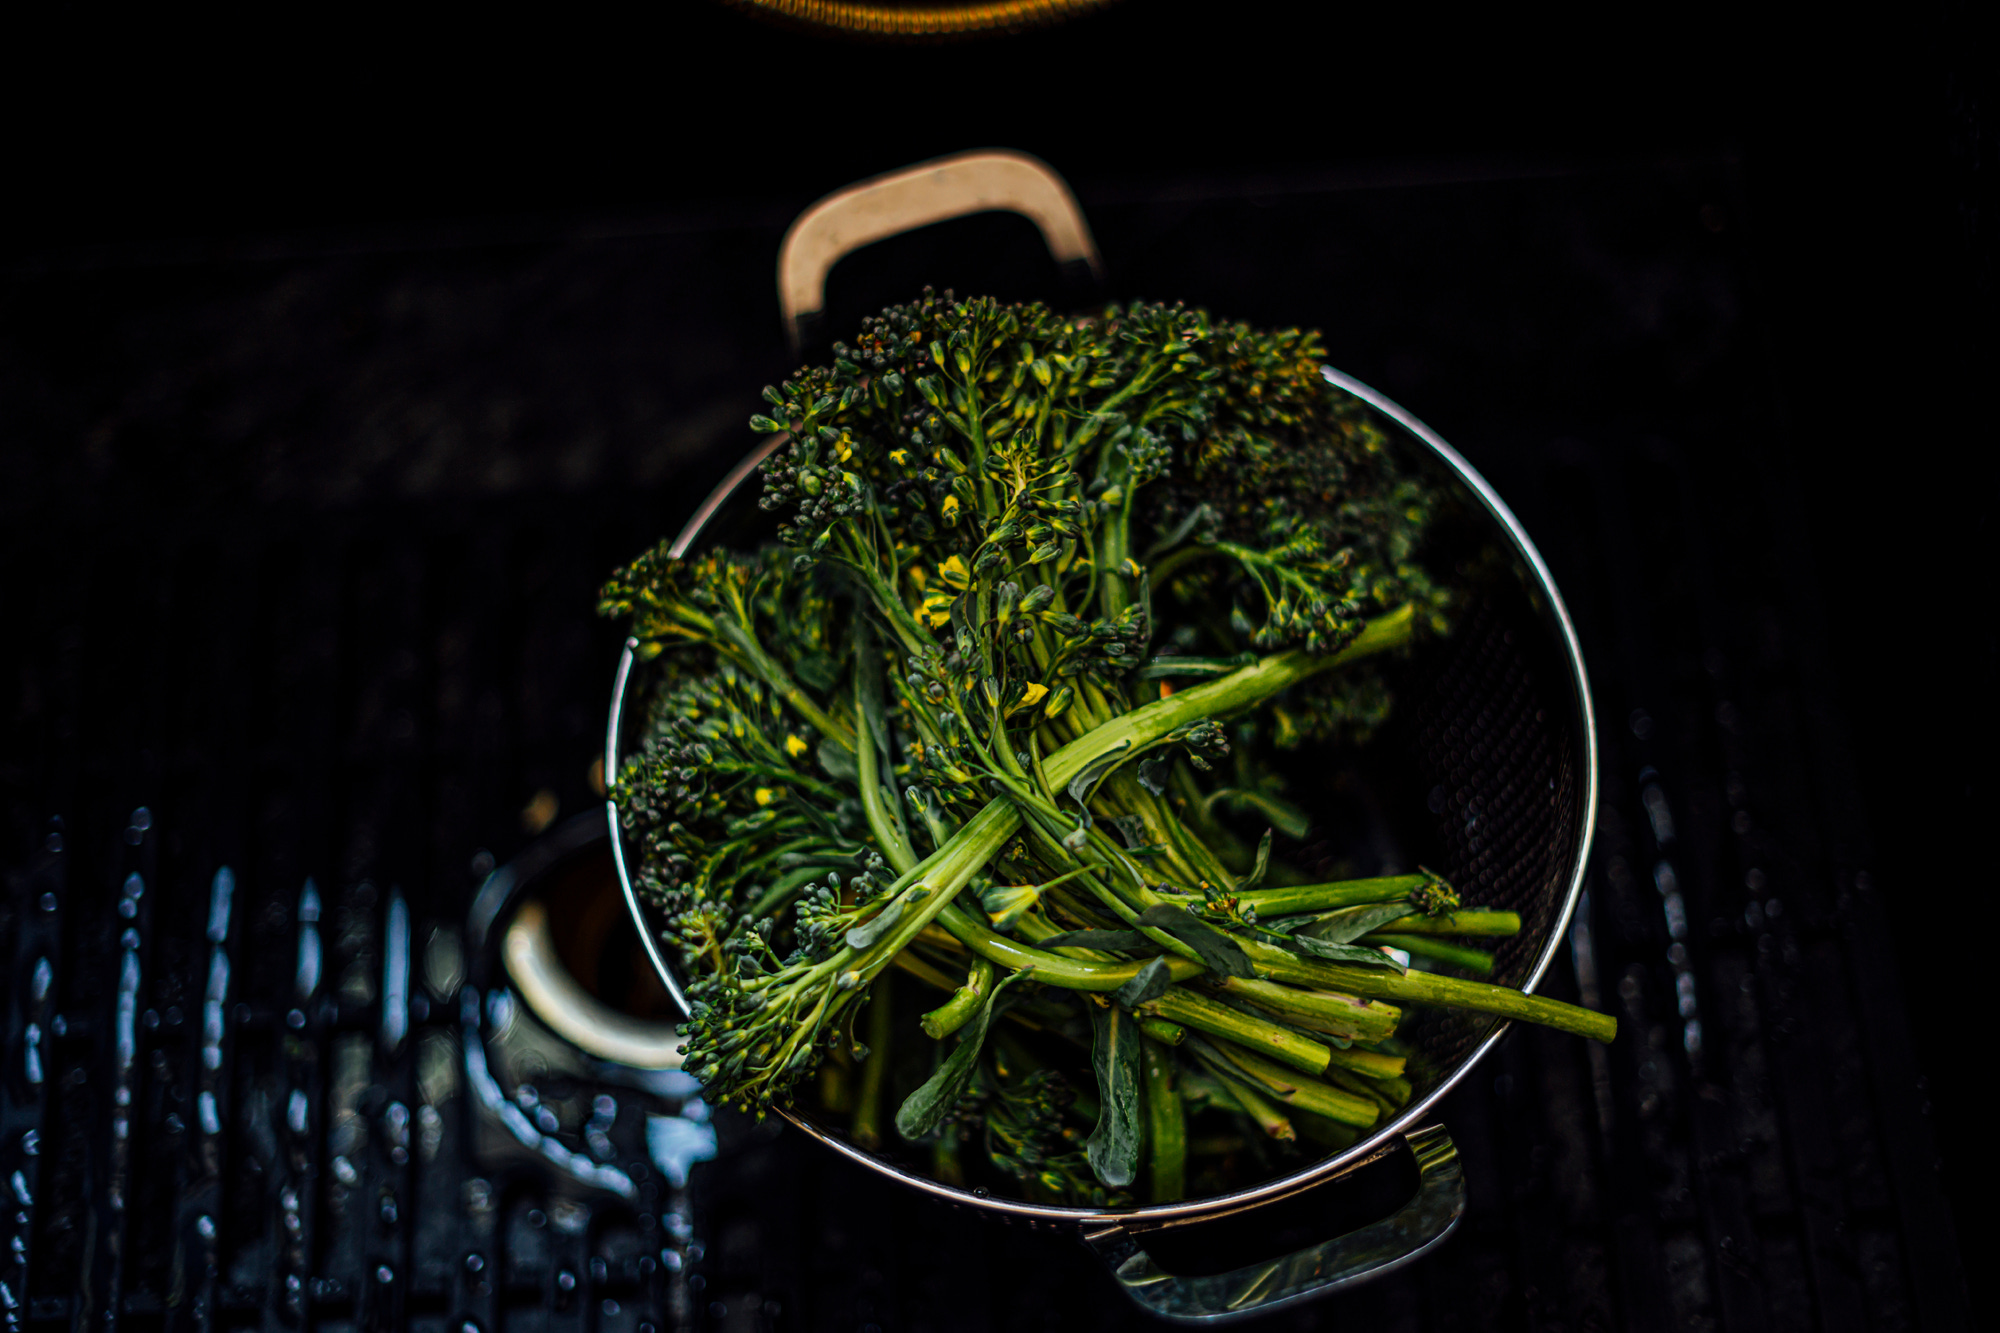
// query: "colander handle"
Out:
[986,181]
[1259,1288]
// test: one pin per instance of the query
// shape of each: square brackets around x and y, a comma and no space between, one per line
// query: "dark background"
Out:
[1770,232]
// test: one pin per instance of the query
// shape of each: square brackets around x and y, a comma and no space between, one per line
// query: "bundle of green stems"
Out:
[1008,707]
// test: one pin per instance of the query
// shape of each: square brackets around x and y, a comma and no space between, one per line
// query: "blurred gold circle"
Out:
[874,18]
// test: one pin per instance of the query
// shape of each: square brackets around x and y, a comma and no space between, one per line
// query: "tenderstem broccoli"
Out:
[1001,706]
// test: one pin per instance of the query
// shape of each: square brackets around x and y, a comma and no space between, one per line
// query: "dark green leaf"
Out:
[1256,875]
[817,670]
[1218,951]
[1342,953]
[1150,984]
[1113,1147]
[1097,939]
[925,1108]
[1288,818]
[1351,923]
[1153,770]
[838,761]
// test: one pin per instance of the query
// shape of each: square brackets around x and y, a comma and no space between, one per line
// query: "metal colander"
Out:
[1487,774]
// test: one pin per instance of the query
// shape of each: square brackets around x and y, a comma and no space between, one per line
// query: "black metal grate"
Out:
[300,550]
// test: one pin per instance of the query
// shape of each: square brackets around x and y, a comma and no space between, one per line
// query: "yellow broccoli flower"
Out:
[1036,693]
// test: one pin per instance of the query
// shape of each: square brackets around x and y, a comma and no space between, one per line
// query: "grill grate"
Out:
[316,603]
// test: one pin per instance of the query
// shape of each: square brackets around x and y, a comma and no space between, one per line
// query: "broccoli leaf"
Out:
[1257,872]
[925,1109]
[1221,953]
[1351,923]
[1342,953]
[1150,984]
[1113,1147]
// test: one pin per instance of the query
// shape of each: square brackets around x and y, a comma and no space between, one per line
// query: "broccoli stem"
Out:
[1251,1101]
[1368,1064]
[866,1127]
[1423,946]
[1190,1010]
[1429,988]
[1337,1015]
[1298,898]
[883,822]
[1166,1121]
[1052,969]
[1455,923]
[1304,1093]
[956,1012]
[1241,689]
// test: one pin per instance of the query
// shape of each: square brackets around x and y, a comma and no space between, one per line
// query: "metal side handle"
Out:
[947,187]
[1259,1288]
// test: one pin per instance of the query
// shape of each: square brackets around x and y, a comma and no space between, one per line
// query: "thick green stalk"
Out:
[1166,1160]
[1304,1093]
[883,821]
[947,871]
[1478,922]
[1368,1064]
[1245,688]
[1205,1015]
[1051,968]
[956,1012]
[1251,1101]
[1429,988]
[1423,946]
[1339,1015]
[1297,898]
[866,1127]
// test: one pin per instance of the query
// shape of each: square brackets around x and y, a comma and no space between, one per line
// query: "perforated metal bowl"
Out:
[1490,773]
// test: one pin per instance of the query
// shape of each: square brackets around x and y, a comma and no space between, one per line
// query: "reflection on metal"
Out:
[571,1012]
[396,974]
[306,978]
[514,1118]
[1258,1289]
[902,201]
